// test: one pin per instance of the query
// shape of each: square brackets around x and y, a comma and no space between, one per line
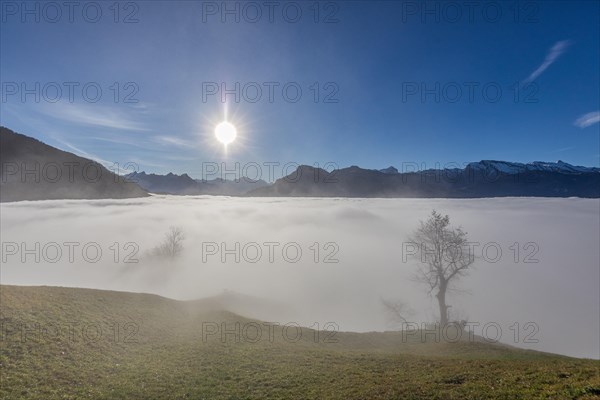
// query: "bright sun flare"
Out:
[225,132]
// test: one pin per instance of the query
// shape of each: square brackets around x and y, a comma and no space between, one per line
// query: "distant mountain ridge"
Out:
[389,170]
[519,168]
[486,178]
[170,183]
[32,170]
[185,185]
[508,167]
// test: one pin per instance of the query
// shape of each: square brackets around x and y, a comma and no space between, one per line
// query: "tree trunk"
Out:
[441,296]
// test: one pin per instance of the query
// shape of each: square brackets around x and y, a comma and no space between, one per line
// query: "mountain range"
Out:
[32,170]
[185,185]
[485,178]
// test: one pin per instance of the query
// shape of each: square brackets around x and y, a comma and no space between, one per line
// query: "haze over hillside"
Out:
[32,170]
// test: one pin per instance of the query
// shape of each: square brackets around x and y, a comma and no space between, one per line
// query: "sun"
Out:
[225,132]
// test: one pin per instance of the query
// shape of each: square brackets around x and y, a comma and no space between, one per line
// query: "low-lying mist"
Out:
[326,260]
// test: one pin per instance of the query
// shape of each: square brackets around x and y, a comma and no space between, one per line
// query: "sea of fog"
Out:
[310,261]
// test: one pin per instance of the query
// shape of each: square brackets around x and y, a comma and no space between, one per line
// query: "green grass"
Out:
[168,358]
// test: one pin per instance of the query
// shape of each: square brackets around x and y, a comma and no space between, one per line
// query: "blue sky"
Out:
[398,82]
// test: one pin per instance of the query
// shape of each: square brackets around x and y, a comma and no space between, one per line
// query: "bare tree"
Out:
[443,254]
[397,311]
[172,245]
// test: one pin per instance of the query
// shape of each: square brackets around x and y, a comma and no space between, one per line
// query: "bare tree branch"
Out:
[172,244]
[397,311]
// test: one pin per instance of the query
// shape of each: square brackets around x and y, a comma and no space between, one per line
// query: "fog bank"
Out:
[559,292]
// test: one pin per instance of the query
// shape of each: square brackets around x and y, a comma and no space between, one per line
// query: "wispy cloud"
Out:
[174,141]
[123,140]
[85,154]
[588,119]
[96,115]
[556,51]
[562,149]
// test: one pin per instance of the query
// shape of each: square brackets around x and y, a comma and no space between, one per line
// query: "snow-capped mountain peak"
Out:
[512,168]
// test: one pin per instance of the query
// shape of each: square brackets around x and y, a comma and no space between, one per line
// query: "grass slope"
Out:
[151,347]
